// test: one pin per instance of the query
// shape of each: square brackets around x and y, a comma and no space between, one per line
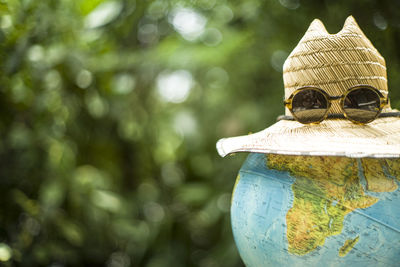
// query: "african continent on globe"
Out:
[317,211]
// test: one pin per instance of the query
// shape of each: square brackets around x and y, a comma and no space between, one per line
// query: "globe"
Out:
[317,211]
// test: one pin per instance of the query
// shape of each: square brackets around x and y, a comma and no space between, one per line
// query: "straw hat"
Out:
[334,63]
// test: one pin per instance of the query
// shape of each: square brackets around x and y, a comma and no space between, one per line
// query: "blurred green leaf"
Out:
[194,193]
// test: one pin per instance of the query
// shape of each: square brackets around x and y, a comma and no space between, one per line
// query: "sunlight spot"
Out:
[153,211]
[5,252]
[107,200]
[96,106]
[189,23]
[103,14]
[174,87]
[36,53]
[119,259]
[185,124]
[171,174]
[380,22]
[224,13]
[123,84]
[52,80]
[84,79]
[211,37]
[6,22]
[148,33]
[157,9]
[217,77]
[290,4]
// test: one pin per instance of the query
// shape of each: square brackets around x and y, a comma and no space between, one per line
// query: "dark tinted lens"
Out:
[362,105]
[309,105]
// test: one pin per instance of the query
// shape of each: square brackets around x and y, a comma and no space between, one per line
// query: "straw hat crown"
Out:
[334,62]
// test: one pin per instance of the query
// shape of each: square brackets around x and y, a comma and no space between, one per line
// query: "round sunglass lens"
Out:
[362,105]
[309,105]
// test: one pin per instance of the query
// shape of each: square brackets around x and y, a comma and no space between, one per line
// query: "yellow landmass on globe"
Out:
[325,190]
[348,245]
[393,167]
[375,175]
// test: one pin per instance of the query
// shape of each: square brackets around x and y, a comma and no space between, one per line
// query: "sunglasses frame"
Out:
[382,99]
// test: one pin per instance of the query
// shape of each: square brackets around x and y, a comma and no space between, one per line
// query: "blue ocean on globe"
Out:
[317,211]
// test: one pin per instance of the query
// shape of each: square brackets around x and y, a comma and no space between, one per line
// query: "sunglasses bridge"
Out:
[335,97]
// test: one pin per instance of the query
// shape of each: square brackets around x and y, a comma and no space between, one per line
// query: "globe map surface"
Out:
[317,211]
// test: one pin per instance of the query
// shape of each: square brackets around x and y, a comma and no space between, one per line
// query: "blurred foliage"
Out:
[110,111]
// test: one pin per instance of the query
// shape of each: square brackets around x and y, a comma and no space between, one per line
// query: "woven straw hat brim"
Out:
[336,137]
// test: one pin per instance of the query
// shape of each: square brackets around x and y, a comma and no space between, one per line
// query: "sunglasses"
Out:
[360,104]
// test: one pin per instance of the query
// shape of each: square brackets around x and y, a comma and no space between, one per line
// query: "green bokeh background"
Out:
[110,111]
